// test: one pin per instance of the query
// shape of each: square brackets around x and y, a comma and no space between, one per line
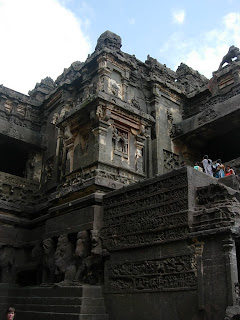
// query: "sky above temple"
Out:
[40,38]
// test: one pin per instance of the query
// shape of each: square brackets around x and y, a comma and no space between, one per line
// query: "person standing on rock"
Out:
[207,165]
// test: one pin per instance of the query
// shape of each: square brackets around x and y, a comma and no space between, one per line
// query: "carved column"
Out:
[99,118]
[198,252]
[104,74]
[139,153]
[231,269]
[148,157]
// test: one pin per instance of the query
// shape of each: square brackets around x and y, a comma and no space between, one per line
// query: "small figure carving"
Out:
[6,264]
[48,262]
[64,260]
[233,52]
[94,262]
[91,269]
[82,251]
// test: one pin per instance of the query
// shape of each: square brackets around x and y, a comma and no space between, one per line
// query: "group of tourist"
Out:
[215,169]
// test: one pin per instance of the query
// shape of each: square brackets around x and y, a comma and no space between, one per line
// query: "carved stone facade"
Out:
[93,190]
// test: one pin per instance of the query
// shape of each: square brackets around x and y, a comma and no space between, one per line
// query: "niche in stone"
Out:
[120,142]
[14,157]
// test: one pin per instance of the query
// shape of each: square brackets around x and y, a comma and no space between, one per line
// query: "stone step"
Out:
[55,291]
[93,302]
[48,308]
[30,315]
[54,300]
[61,308]
[92,291]
[43,291]
[93,317]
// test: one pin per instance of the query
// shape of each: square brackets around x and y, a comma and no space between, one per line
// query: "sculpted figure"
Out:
[64,260]
[81,252]
[37,259]
[233,52]
[93,264]
[6,264]
[48,261]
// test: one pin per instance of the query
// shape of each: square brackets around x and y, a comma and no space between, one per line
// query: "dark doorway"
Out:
[13,156]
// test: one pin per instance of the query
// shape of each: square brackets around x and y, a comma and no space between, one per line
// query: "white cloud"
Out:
[131,21]
[178,16]
[205,52]
[39,38]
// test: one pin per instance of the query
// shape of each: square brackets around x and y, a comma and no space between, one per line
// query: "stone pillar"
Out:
[100,117]
[198,252]
[231,269]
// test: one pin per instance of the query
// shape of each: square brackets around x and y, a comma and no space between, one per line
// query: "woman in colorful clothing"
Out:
[219,173]
[229,171]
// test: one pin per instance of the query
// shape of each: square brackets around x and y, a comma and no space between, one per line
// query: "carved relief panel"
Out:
[120,137]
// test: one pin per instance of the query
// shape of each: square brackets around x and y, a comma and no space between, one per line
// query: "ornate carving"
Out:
[64,260]
[109,40]
[157,199]
[233,52]
[7,255]
[114,88]
[161,185]
[120,140]
[71,73]
[213,193]
[206,116]
[44,87]
[146,239]
[135,103]
[190,80]
[82,251]
[171,160]
[49,169]
[48,261]
[176,130]
[177,272]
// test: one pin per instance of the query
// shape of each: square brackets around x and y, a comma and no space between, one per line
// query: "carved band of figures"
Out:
[144,224]
[149,213]
[159,185]
[144,202]
[146,239]
[168,273]
[67,260]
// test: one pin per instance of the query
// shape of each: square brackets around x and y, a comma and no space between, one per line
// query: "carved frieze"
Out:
[171,273]
[49,169]
[120,141]
[148,215]
[114,88]
[171,160]
[145,239]
[206,116]
[159,185]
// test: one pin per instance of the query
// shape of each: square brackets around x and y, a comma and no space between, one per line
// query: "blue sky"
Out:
[42,37]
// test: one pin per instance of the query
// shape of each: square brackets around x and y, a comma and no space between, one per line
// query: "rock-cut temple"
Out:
[102,215]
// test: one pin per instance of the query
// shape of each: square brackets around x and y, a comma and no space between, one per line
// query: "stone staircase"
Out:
[55,303]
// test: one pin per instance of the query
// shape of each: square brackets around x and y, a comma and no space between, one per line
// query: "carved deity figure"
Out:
[64,260]
[138,160]
[233,52]
[93,264]
[48,261]
[82,251]
[6,264]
